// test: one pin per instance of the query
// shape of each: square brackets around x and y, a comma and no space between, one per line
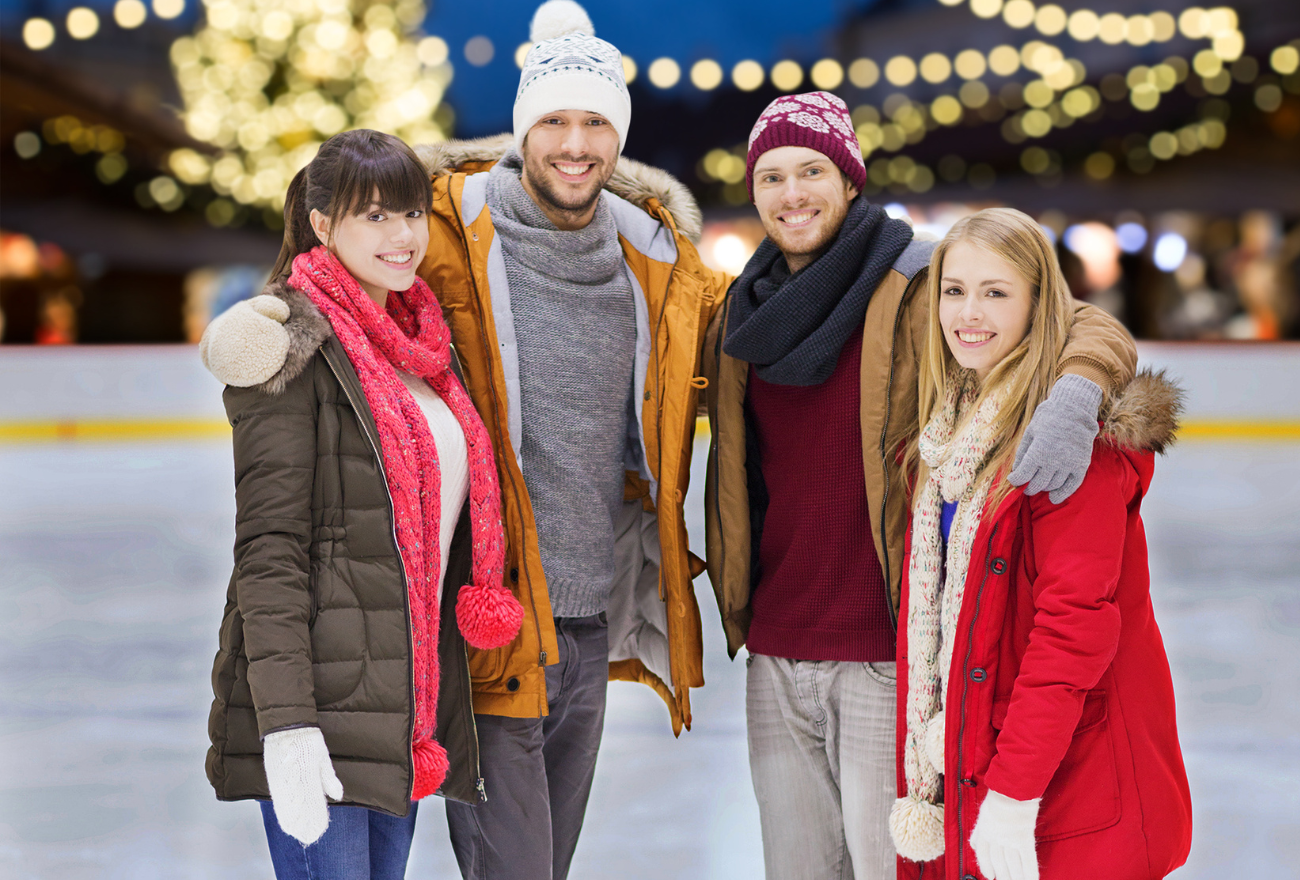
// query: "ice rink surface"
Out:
[114,559]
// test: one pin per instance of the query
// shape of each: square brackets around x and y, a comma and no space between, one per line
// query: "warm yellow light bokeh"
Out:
[664,73]
[787,75]
[82,23]
[748,75]
[168,9]
[129,13]
[38,34]
[706,75]
[864,73]
[827,74]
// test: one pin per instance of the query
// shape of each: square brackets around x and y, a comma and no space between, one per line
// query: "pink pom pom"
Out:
[430,761]
[488,618]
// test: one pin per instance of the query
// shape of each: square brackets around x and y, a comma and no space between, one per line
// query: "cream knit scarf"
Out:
[954,455]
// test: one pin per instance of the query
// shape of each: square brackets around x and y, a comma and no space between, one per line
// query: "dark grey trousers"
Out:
[537,772]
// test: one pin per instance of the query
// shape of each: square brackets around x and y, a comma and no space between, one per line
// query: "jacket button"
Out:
[978,674]
[512,685]
[514,575]
[999,565]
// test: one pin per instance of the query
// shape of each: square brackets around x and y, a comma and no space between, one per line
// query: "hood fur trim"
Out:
[307,328]
[1145,414]
[632,180]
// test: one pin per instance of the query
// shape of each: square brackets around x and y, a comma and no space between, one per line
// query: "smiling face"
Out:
[569,155]
[802,199]
[380,249]
[985,306]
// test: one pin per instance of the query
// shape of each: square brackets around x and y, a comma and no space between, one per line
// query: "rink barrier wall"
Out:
[1236,392]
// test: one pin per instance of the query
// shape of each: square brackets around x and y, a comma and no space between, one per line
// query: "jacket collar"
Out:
[632,181]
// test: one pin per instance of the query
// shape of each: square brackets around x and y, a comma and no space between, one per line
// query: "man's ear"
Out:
[320,224]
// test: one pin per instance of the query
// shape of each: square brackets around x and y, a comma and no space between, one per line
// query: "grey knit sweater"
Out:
[575,323]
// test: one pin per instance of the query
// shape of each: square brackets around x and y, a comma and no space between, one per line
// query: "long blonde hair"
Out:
[1028,372]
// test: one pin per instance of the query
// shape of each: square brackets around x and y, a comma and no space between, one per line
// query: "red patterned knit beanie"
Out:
[817,120]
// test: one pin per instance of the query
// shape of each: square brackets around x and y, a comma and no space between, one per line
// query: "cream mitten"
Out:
[247,344]
[300,776]
[1003,838]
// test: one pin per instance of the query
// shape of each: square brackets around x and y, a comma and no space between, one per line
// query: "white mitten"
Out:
[247,344]
[1003,838]
[300,776]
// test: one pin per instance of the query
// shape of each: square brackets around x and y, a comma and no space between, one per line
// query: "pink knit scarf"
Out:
[412,336]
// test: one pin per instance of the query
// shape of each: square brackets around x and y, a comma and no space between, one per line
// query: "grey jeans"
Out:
[821,753]
[537,772]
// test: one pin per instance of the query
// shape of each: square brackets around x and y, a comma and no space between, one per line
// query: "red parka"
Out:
[1059,687]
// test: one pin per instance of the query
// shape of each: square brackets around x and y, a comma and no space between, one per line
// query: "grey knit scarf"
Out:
[575,325]
[590,255]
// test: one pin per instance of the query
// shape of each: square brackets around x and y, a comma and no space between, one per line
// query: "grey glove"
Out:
[1056,450]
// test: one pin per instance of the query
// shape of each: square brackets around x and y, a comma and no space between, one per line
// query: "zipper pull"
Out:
[482,792]
[543,660]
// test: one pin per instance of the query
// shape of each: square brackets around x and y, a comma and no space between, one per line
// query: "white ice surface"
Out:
[113,565]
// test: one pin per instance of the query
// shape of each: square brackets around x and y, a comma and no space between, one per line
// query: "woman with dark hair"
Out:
[364,479]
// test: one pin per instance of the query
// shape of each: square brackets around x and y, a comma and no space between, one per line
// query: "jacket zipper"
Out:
[965,689]
[406,587]
[714,452]
[496,417]
[884,466]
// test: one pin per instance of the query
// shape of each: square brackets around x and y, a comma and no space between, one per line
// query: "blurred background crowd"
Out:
[145,146]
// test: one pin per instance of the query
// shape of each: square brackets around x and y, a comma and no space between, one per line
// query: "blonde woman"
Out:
[1036,711]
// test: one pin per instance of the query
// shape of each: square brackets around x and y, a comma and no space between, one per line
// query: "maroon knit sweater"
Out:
[820,593]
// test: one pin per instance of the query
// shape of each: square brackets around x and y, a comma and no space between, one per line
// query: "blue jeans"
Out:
[358,844]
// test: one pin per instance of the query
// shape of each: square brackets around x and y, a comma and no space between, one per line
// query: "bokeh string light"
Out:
[268,82]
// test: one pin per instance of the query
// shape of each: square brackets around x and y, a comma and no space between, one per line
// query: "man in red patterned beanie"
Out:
[812,395]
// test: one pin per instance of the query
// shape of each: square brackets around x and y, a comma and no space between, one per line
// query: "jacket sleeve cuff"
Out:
[1093,372]
[1017,786]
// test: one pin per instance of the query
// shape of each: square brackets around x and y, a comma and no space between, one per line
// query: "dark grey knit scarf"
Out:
[590,255]
[792,327]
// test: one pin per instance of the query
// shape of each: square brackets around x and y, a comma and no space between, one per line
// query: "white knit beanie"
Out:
[568,68]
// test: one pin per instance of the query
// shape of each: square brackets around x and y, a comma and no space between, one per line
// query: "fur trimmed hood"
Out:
[632,180]
[1145,414]
[307,328]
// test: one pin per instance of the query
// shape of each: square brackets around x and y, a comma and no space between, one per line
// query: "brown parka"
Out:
[1099,349]
[316,630]
[654,620]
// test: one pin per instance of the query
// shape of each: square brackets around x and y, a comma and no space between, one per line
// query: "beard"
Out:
[559,195]
[806,245]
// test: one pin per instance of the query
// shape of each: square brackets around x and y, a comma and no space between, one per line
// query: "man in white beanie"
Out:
[578,306]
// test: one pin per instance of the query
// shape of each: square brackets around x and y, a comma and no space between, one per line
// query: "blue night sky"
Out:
[685,30]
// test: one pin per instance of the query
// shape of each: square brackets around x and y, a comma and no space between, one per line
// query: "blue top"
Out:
[945,519]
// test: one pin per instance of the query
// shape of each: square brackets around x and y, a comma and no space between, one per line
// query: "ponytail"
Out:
[299,237]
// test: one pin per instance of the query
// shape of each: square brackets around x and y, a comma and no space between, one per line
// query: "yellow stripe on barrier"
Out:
[1266,431]
[128,430]
[120,430]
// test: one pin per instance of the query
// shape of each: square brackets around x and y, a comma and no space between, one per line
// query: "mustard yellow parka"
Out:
[654,621]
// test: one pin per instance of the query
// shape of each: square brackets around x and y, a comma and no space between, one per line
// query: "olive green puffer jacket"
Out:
[316,626]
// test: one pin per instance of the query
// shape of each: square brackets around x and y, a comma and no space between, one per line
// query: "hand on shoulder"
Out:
[247,344]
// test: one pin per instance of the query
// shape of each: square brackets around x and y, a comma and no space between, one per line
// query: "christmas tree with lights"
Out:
[267,81]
